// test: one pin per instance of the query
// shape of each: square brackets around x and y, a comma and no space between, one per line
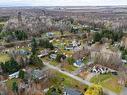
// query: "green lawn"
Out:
[10,82]
[68,81]
[112,84]
[69,68]
[61,42]
[100,78]
[108,81]
[45,58]
[4,57]
[57,33]
[53,62]
[125,65]
[85,61]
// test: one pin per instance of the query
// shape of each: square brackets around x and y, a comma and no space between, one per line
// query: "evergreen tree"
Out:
[97,37]
[21,74]
[20,35]
[70,60]
[44,43]
[61,31]
[15,87]
[35,60]
[34,45]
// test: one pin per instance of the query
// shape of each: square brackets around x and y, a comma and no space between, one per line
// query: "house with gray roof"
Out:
[71,91]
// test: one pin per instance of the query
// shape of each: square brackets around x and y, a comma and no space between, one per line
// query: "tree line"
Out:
[106,33]
[14,35]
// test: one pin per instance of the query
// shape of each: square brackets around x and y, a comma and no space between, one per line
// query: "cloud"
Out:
[62,2]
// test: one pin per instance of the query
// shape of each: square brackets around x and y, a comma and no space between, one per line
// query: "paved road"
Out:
[124,92]
[106,91]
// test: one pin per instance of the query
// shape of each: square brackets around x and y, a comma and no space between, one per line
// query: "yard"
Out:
[68,81]
[24,48]
[57,33]
[4,57]
[83,74]
[112,84]
[100,78]
[61,42]
[125,65]
[53,62]
[69,68]
[108,81]
[68,52]
[85,61]
[9,83]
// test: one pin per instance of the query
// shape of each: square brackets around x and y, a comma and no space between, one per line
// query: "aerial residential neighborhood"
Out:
[63,50]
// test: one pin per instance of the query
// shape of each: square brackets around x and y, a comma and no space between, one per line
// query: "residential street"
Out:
[106,91]
[124,92]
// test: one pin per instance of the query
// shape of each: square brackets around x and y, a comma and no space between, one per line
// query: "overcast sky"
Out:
[61,2]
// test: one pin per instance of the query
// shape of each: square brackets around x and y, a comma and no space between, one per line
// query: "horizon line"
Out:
[4,6]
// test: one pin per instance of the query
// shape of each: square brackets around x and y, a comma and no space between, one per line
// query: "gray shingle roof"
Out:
[71,91]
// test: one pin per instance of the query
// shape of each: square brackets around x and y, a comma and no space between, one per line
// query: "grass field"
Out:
[4,57]
[100,78]
[112,84]
[68,81]
[69,68]
[108,81]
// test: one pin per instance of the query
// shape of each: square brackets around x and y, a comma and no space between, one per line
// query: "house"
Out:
[53,56]
[124,61]
[71,91]
[76,43]
[93,31]
[14,75]
[43,53]
[78,63]
[38,74]
[72,45]
[24,52]
[21,52]
[100,69]
[69,47]
[49,34]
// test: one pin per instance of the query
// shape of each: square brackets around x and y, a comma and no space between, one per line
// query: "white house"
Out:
[14,75]
[124,61]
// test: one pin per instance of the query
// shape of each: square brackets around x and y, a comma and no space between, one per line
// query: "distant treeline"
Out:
[4,18]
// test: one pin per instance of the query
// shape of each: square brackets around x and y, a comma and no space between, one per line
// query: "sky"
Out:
[6,3]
